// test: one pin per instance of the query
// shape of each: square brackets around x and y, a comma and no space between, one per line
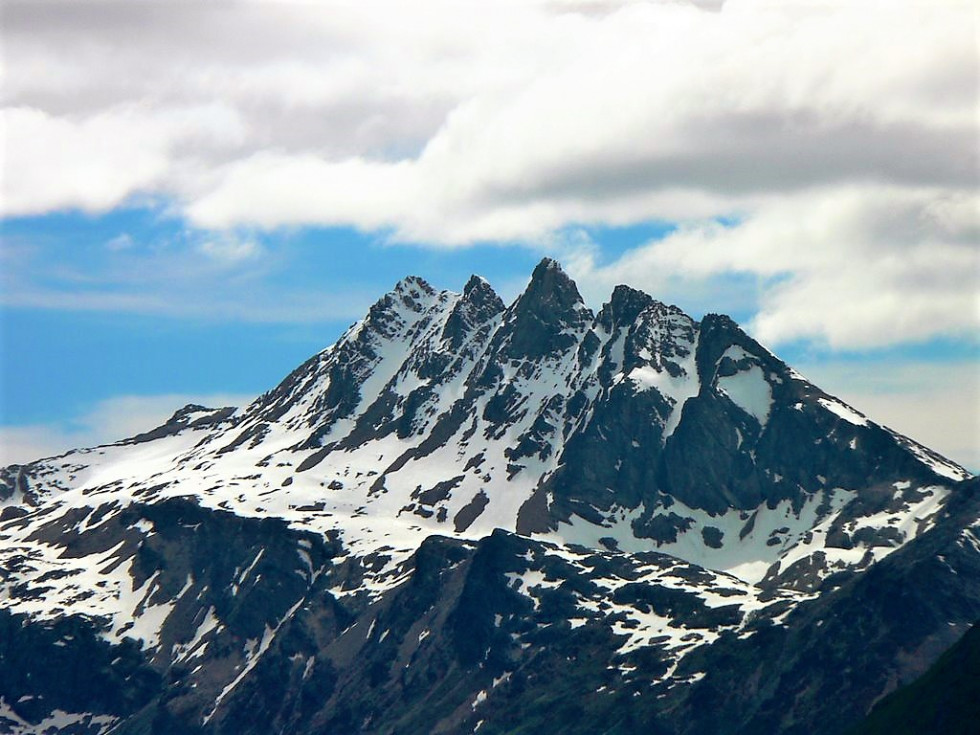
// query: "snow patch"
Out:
[750,391]
[845,412]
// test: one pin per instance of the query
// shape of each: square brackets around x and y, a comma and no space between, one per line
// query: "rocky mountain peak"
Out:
[542,319]
[719,335]
[624,307]
[478,305]
[389,314]
[476,285]
[191,415]
[413,286]
[550,289]
[414,292]
[479,294]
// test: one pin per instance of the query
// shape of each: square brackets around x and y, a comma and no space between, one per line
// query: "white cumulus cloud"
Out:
[851,268]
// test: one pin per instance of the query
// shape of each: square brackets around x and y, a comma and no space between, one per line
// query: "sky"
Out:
[196,197]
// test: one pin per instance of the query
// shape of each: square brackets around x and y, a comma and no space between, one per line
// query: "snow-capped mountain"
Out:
[470,516]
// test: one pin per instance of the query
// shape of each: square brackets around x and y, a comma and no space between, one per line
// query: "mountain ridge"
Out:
[667,488]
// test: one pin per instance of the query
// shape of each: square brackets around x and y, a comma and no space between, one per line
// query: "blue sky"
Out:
[80,327]
[131,302]
[194,202]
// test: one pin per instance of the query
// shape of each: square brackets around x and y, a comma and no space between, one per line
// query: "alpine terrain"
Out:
[470,517]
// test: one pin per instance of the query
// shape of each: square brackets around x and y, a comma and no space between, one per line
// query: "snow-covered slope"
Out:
[624,435]
[447,413]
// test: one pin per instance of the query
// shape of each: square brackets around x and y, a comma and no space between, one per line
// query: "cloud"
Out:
[96,162]
[230,249]
[429,116]
[852,268]
[108,421]
[122,241]
[53,163]
[838,136]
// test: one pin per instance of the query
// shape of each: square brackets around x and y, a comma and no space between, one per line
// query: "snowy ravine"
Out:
[454,498]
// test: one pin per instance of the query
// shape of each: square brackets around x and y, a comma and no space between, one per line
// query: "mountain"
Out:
[467,516]
[944,699]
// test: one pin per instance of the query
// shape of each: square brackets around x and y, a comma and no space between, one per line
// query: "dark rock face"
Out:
[64,664]
[838,654]
[613,451]
[225,579]
[706,543]
[477,308]
[191,416]
[944,699]
[474,618]
[539,322]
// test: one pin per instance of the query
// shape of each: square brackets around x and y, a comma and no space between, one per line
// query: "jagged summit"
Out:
[411,293]
[550,288]
[465,491]
[625,306]
[545,318]
[476,309]
[413,285]
[477,284]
